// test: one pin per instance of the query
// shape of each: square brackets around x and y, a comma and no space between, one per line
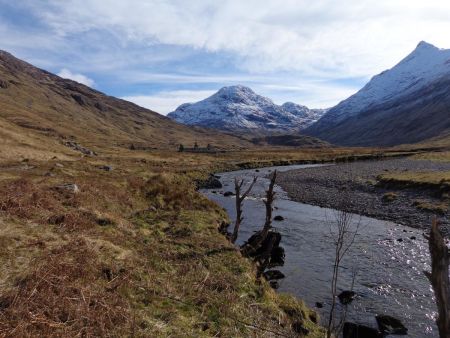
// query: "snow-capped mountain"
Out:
[407,103]
[238,108]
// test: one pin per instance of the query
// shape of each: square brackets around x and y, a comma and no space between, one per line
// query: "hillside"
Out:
[240,109]
[409,103]
[42,111]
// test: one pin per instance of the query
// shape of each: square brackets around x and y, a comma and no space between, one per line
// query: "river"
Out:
[388,258]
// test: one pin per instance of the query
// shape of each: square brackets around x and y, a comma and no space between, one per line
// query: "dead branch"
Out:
[239,200]
[439,278]
[252,246]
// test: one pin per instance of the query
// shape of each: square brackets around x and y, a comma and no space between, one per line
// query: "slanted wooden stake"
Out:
[239,200]
[439,278]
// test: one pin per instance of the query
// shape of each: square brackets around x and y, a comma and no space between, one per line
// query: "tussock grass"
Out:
[417,179]
[134,253]
[436,208]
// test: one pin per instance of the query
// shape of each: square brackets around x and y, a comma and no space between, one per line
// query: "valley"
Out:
[114,218]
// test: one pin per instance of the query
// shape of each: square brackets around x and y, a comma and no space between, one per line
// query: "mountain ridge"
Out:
[52,111]
[405,104]
[239,108]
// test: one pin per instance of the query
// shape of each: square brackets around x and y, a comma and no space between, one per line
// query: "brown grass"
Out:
[134,253]
[62,296]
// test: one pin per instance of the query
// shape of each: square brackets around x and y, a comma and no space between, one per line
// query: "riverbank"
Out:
[126,246]
[359,186]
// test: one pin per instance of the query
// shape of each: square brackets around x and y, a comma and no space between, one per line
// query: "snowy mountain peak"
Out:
[397,105]
[240,108]
[426,45]
[425,64]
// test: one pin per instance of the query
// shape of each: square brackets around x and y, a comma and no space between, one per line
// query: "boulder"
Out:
[211,183]
[273,275]
[265,250]
[278,218]
[390,325]
[70,187]
[346,297]
[229,193]
[106,168]
[277,256]
[352,330]
[319,305]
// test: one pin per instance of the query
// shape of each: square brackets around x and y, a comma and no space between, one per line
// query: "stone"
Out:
[319,305]
[211,183]
[412,238]
[352,330]
[229,193]
[346,297]
[106,167]
[278,218]
[273,275]
[71,187]
[390,325]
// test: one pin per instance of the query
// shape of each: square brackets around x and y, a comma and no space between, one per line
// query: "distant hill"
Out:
[40,111]
[239,108]
[407,104]
[301,141]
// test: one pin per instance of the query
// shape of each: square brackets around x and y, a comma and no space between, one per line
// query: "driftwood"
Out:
[255,242]
[239,200]
[439,278]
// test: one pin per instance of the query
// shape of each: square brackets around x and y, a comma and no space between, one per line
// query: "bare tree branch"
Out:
[239,200]
[439,278]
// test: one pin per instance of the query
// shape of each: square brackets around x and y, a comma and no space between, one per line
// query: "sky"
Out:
[162,53]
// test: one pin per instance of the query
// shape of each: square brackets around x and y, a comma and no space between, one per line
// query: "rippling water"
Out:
[389,279]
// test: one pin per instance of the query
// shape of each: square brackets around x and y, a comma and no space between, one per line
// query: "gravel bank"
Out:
[326,186]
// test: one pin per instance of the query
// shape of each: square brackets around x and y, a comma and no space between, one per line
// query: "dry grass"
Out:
[134,253]
[417,179]
[389,196]
[441,156]
[436,208]
[64,295]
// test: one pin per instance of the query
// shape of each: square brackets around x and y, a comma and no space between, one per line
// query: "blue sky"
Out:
[161,53]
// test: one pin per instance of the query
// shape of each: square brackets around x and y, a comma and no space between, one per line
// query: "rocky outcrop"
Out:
[80,148]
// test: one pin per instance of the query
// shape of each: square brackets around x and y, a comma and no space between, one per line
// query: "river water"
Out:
[389,259]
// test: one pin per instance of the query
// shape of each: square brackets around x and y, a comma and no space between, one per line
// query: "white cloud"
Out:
[308,93]
[80,78]
[325,37]
[166,101]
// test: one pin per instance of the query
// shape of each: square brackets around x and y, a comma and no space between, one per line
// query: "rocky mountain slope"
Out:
[41,111]
[238,108]
[406,104]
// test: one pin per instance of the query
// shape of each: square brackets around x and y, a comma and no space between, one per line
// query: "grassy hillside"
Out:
[35,102]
